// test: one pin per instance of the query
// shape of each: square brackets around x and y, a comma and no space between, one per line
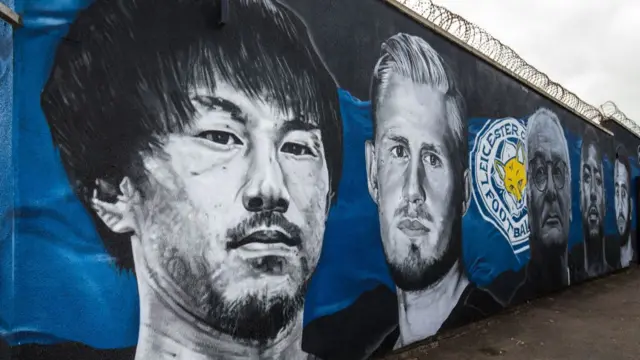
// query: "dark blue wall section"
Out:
[6,169]
[352,250]
[68,287]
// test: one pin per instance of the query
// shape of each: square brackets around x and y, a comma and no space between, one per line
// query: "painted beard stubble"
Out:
[624,237]
[415,272]
[256,318]
[586,228]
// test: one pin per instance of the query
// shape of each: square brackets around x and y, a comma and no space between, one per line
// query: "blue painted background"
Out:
[65,285]
[68,289]
[6,173]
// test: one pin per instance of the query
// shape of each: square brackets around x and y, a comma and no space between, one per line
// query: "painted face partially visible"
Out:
[549,187]
[235,211]
[592,193]
[411,166]
[621,200]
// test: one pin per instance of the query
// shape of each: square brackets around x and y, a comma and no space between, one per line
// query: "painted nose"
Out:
[266,189]
[413,190]
[593,195]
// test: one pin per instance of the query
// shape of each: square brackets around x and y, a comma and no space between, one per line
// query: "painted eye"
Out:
[433,160]
[296,149]
[398,151]
[220,137]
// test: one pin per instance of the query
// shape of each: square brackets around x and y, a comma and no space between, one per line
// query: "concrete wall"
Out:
[312,178]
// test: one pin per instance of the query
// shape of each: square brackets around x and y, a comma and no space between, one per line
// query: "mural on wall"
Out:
[622,246]
[6,173]
[418,176]
[548,197]
[623,206]
[592,208]
[498,163]
[211,192]
[253,190]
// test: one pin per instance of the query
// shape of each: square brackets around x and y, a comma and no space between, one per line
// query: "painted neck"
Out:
[168,331]
[626,253]
[594,254]
[549,268]
[422,313]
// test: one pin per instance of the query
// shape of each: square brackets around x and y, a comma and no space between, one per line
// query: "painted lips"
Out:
[593,214]
[413,227]
[266,237]
[552,220]
[267,251]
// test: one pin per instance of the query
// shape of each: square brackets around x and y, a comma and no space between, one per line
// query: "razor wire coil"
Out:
[480,40]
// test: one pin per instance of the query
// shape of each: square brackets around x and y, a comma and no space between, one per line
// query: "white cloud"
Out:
[590,47]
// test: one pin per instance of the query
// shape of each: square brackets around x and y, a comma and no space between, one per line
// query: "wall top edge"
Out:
[484,46]
[7,14]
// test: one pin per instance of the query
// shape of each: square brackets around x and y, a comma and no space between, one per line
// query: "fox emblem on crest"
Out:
[513,173]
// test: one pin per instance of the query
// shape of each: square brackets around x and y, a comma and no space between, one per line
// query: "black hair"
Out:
[121,80]
[414,58]
[623,157]
[590,138]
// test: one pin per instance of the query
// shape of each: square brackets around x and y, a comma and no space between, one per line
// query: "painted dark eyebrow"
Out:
[215,103]
[432,148]
[538,154]
[297,125]
[399,139]
[425,147]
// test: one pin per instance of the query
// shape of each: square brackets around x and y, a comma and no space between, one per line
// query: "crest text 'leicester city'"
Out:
[500,179]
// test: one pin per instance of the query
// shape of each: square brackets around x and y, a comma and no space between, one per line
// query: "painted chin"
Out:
[621,224]
[593,217]
[552,235]
[404,248]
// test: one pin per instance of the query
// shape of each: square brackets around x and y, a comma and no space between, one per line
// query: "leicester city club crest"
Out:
[500,179]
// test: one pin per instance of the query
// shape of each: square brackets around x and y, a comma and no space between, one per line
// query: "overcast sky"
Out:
[590,47]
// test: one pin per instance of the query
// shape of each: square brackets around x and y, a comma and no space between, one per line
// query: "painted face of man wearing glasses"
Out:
[548,200]
[548,196]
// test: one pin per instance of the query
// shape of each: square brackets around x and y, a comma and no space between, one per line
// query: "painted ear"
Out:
[467,192]
[372,169]
[499,168]
[330,196]
[119,215]
[520,152]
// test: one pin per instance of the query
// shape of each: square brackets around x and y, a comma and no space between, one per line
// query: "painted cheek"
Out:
[439,185]
[307,186]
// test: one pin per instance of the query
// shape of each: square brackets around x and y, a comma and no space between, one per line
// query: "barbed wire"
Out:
[483,42]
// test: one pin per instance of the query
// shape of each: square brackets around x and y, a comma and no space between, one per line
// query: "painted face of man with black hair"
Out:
[622,199]
[592,192]
[231,220]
